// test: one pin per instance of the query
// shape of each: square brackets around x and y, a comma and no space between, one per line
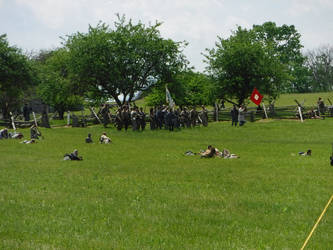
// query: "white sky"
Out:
[38,24]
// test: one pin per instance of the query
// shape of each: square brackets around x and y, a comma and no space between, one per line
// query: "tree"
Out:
[242,62]
[124,60]
[56,88]
[320,64]
[186,88]
[16,76]
[286,46]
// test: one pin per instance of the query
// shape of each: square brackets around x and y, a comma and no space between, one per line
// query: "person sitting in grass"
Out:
[4,133]
[88,139]
[104,139]
[34,132]
[74,156]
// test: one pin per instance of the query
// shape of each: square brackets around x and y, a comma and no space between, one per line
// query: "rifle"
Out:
[94,113]
[13,123]
[331,158]
[298,104]
[230,101]
[36,124]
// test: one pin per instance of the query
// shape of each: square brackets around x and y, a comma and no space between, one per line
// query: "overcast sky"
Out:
[38,24]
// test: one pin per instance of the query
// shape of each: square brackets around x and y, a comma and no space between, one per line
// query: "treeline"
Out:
[130,59]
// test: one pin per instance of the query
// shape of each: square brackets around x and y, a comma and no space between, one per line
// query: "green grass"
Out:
[141,192]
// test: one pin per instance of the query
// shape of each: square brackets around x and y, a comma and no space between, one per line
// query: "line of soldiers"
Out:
[160,117]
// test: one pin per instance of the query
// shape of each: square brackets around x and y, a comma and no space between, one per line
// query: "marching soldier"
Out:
[204,116]
[119,119]
[193,116]
[105,114]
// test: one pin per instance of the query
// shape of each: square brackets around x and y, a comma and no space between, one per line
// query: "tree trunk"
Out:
[117,100]
[5,111]
[61,114]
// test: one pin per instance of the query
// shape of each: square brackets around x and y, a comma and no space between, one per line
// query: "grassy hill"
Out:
[141,192]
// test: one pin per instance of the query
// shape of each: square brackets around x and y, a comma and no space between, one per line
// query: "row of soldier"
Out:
[159,117]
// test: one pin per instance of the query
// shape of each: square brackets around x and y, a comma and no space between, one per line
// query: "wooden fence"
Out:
[252,115]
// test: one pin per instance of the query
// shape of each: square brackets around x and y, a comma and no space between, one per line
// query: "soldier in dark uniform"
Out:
[159,117]
[152,120]
[321,106]
[126,117]
[105,114]
[176,121]
[26,112]
[204,116]
[34,132]
[119,119]
[169,119]
[4,133]
[193,116]
[142,119]
[234,116]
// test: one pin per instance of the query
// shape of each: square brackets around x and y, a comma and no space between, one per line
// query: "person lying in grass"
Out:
[74,156]
[28,141]
[209,152]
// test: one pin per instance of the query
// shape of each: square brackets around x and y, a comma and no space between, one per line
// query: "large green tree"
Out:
[186,88]
[16,76]
[121,61]
[286,46]
[56,87]
[242,62]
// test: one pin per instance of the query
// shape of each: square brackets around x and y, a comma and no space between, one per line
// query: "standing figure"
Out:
[119,119]
[204,116]
[152,120]
[321,106]
[142,119]
[234,116]
[241,115]
[26,112]
[105,114]
[169,117]
[134,118]
[193,116]
[126,117]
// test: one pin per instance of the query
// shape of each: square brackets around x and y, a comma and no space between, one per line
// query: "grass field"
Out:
[141,192]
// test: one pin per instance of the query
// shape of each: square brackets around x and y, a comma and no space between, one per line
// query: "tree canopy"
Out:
[16,76]
[108,62]
[242,62]
[56,88]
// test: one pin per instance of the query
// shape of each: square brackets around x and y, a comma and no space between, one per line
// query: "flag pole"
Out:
[263,104]
[300,113]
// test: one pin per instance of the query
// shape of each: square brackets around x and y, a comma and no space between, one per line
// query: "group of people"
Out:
[238,115]
[159,117]
[212,152]
[34,134]
[103,139]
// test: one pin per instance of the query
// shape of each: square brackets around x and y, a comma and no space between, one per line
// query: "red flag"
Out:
[256,97]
